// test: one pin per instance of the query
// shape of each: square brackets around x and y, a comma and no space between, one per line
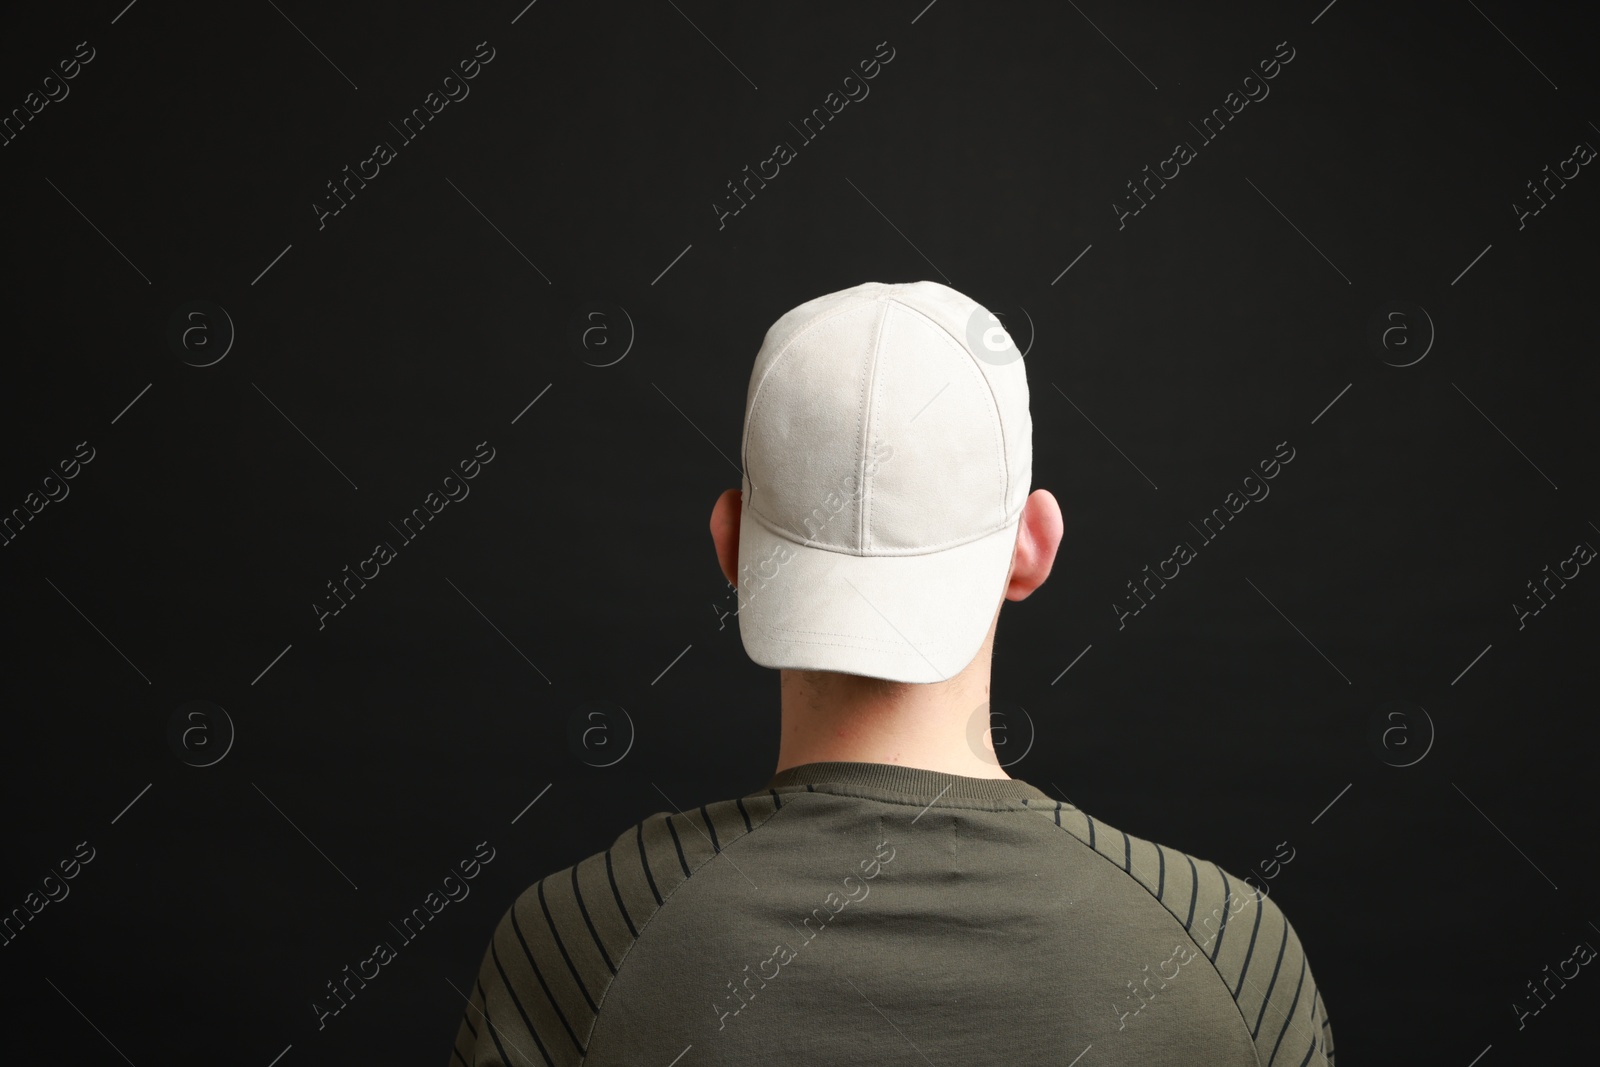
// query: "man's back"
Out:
[860,910]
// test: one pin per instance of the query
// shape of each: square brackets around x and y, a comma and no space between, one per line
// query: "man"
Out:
[891,895]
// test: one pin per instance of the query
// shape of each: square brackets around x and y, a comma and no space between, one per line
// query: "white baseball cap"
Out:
[887,456]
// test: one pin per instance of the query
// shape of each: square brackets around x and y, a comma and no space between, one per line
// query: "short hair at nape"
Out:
[885,687]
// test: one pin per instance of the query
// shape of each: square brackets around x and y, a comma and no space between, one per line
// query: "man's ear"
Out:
[725,532]
[1039,534]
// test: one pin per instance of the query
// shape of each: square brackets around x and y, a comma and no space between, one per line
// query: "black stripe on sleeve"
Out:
[1161,872]
[526,1022]
[682,862]
[777,802]
[584,910]
[1058,813]
[1227,895]
[704,814]
[1273,982]
[460,1057]
[1250,951]
[644,861]
[611,876]
[743,814]
[537,973]
[1127,853]
[1194,893]
[1091,830]
[550,923]
[1286,1019]
[494,1031]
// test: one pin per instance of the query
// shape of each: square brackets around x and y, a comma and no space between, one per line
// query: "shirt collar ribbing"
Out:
[906,781]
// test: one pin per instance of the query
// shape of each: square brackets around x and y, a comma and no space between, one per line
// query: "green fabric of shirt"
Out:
[864,912]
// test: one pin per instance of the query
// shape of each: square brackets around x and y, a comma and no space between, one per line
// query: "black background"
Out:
[379,350]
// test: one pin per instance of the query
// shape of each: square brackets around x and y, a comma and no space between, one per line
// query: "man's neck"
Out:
[942,726]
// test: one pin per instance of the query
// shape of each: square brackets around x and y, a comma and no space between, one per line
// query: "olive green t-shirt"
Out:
[874,913]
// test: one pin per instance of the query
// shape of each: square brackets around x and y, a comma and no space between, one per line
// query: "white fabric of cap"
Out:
[886,463]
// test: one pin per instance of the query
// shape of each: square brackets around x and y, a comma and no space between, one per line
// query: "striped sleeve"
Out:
[555,951]
[1244,934]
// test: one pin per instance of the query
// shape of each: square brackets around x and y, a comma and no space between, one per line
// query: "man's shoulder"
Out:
[617,889]
[1232,922]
